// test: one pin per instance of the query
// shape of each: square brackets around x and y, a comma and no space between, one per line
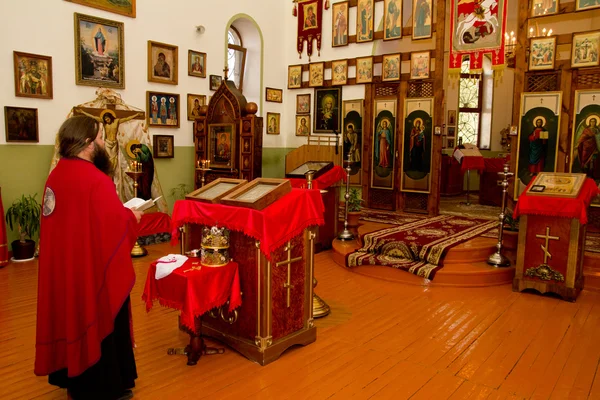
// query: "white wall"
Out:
[47,27]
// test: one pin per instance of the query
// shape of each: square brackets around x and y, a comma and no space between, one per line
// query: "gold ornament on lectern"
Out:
[215,247]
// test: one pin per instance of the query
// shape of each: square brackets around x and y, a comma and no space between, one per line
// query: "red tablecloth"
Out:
[494,164]
[558,206]
[329,178]
[194,292]
[273,226]
[472,162]
[154,223]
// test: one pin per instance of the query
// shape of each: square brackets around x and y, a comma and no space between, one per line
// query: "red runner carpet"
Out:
[418,247]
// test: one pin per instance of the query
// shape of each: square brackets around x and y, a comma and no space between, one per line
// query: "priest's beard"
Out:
[102,161]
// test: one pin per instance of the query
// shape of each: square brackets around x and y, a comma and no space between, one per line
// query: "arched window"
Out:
[236,58]
[475,95]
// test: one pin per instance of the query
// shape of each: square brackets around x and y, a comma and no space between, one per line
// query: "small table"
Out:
[195,290]
[466,165]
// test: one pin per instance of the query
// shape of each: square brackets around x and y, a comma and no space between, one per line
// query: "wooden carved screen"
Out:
[229,135]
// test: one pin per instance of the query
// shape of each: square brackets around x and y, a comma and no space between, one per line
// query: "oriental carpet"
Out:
[418,247]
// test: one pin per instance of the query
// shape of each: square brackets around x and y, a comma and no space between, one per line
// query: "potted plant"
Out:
[354,206]
[510,233]
[24,213]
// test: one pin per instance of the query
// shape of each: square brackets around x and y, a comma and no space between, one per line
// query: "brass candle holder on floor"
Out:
[320,308]
[134,173]
[346,234]
[498,259]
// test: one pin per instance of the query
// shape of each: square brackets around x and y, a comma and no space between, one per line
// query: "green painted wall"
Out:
[23,170]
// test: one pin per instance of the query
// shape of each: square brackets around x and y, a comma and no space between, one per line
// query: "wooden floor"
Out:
[382,340]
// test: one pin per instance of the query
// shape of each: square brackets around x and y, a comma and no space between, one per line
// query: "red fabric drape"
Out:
[494,164]
[273,226]
[3,237]
[557,206]
[154,223]
[310,16]
[472,162]
[329,178]
[196,291]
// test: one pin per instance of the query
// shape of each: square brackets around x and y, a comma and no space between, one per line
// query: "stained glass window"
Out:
[472,105]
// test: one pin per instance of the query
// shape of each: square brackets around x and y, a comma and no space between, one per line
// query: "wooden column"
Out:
[433,204]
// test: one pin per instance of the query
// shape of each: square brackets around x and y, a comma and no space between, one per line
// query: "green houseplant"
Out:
[510,233]
[24,214]
[354,206]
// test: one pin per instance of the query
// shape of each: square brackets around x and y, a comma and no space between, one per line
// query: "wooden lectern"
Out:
[553,217]
[274,248]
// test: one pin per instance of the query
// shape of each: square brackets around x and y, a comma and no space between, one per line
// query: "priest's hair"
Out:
[75,134]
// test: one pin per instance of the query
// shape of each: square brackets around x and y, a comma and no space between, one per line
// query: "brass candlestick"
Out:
[346,234]
[203,166]
[498,259]
[320,308]
[138,250]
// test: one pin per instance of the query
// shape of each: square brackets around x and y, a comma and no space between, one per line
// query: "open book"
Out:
[140,204]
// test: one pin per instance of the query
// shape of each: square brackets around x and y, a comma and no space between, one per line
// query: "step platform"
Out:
[464,265]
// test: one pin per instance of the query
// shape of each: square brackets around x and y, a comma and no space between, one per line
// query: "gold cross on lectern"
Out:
[546,245]
[288,284]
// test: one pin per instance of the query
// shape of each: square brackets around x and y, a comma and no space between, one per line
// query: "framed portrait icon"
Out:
[328,110]
[294,76]
[162,63]
[33,75]
[339,24]
[422,19]
[584,49]
[99,52]
[273,123]
[543,7]
[392,19]
[586,4]
[163,146]
[391,67]
[339,72]
[274,95]
[194,105]
[365,21]
[303,103]
[162,109]
[126,7]
[21,124]
[303,125]
[215,82]
[542,53]
[316,74]
[419,65]
[196,64]
[364,70]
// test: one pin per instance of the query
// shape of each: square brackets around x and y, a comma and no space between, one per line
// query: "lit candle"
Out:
[530,32]
[544,32]
[198,164]
[550,32]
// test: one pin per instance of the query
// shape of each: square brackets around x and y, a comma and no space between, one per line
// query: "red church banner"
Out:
[477,28]
[310,15]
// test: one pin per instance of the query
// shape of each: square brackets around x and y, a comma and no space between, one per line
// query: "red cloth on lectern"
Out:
[85,268]
[3,238]
[194,292]
[329,178]
[558,206]
[273,226]
[153,223]
[472,162]
[495,164]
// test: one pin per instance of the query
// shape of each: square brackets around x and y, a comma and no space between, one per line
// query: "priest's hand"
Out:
[138,215]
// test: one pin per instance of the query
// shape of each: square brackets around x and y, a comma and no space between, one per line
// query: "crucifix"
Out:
[594,97]
[288,284]
[541,101]
[546,245]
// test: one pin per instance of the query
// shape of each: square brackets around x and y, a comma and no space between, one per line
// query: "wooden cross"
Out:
[545,246]
[288,284]
[594,97]
[541,101]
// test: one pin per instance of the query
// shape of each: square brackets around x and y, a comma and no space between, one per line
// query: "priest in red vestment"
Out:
[83,338]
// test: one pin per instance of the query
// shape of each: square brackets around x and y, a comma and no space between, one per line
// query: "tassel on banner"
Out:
[295,11]
[327,4]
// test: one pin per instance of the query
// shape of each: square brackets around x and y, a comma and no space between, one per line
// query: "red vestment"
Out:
[85,268]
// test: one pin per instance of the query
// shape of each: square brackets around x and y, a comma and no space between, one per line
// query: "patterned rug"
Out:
[418,247]
[388,217]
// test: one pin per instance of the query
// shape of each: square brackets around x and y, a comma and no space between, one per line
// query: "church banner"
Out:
[478,28]
[310,16]
[537,145]
[417,145]
[586,131]
[384,139]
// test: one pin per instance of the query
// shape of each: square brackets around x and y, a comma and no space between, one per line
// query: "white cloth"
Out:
[168,264]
